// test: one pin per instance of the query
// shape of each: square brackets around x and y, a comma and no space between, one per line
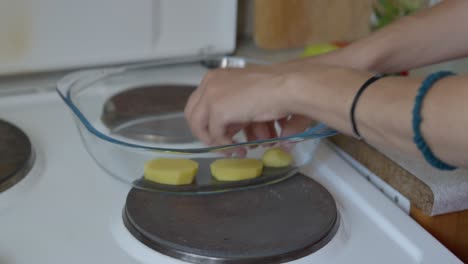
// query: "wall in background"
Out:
[278,24]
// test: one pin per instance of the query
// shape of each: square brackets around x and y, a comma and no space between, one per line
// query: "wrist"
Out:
[326,94]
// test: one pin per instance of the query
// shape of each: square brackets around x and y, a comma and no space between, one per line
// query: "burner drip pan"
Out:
[16,155]
[270,224]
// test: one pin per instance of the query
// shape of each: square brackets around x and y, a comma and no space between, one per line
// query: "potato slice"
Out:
[276,158]
[236,169]
[171,171]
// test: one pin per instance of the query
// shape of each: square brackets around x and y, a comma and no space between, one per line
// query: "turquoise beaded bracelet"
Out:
[417,119]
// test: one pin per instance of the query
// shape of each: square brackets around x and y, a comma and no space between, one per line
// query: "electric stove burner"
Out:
[152,113]
[270,224]
[16,155]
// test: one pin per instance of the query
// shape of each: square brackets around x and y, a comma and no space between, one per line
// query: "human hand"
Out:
[251,99]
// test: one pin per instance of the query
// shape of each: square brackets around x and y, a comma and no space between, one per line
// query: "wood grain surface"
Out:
[418,192]
[450,229]
[295,23]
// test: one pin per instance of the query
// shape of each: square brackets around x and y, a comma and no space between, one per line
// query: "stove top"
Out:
[269,224]
[136,113]
[16,155]
[71,210]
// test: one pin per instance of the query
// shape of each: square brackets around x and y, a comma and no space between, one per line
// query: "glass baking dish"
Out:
[131,114]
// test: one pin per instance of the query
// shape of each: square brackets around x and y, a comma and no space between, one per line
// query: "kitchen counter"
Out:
[432,191]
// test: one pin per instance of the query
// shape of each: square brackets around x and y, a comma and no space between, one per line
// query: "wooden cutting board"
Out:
[294,23]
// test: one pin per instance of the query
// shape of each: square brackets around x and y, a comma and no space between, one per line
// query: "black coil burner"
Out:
[16,155]
[270,224]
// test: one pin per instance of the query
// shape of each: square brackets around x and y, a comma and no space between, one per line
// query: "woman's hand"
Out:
[252,99]
[260,95]
[230,100]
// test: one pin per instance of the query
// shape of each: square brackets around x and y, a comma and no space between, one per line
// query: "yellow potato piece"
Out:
[277,158]
[236,169]
[171,171]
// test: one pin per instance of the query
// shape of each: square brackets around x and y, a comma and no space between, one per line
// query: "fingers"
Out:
[217,129]
[207,122]
[293,125]
[198,123]
[227,97]
[231,131]
[192,101]
[272,129]
[196,95]
[204,120]
[260,130]
[198,117]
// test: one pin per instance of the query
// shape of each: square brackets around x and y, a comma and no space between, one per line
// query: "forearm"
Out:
[384,111]
[430,36]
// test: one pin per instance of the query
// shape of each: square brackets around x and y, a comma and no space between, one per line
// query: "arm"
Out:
[241,96]
[316,89]
[429,36]
[384,112]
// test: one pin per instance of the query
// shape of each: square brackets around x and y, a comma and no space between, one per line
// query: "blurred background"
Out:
[283,24]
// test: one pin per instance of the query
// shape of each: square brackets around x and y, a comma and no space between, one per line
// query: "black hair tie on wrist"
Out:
[356,99]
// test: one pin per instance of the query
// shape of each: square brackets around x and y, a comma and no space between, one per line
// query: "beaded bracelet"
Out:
[417,119]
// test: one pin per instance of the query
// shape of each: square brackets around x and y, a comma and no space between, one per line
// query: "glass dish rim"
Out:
[65,85]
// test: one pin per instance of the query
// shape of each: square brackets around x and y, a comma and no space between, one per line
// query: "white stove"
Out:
[67,210]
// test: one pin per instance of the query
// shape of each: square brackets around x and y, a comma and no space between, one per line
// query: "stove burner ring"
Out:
[152,113]
[16,155]
[271,224]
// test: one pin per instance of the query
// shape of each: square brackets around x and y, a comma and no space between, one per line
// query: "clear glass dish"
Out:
[131,114]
